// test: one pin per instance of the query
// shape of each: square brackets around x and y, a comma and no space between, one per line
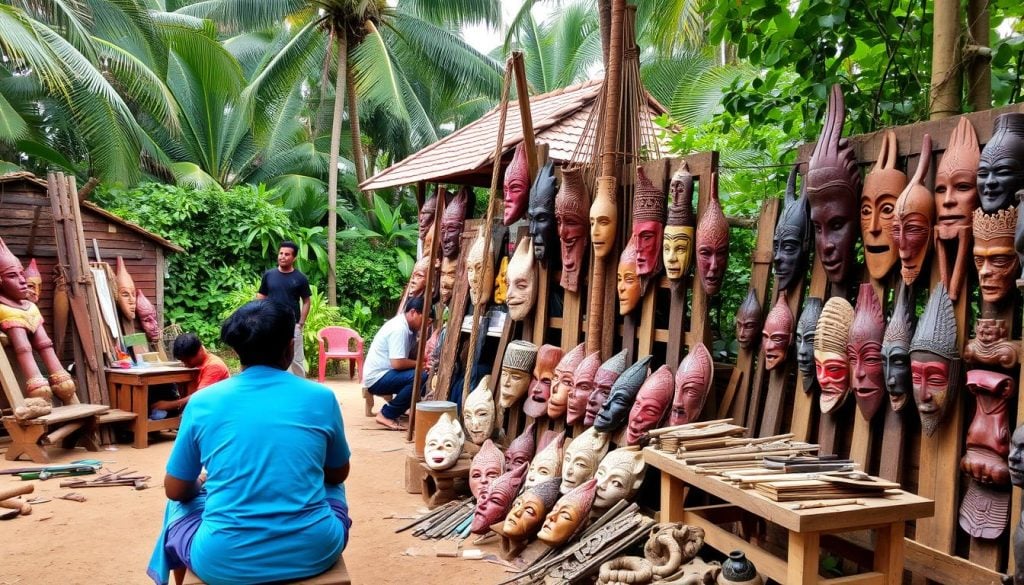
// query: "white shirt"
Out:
[394,341]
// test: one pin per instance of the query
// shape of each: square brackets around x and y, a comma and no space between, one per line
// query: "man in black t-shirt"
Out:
[290,287]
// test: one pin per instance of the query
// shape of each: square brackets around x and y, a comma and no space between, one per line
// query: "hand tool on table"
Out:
[826,504]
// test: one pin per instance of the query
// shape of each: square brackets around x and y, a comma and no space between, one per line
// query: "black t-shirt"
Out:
[287,288]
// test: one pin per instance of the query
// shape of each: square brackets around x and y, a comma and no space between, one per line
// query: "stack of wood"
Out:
[109,479]
[450,521]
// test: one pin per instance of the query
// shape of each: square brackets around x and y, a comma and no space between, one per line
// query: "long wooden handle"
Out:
[13,491]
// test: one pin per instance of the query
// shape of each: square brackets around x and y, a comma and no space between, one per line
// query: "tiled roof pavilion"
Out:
[464,156]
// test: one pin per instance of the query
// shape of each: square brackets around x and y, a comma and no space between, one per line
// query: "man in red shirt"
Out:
[190,351]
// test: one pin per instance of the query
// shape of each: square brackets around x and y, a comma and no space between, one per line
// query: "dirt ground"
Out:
[108,539]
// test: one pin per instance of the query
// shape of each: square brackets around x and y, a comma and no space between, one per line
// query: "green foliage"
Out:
[385,226]
[369,284]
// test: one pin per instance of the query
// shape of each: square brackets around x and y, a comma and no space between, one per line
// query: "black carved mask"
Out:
[1001,168]
[792,237]
[805,329]
[541,212]
[616,409]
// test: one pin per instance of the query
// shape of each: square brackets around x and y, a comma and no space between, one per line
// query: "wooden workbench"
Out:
[129,391]
[886,517]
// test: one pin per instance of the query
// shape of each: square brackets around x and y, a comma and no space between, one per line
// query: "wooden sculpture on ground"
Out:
[604,379]
[915,214]
[618,476]
[882,187]
[541,212]
[712,243]
[792,240]
[571,207]
[547,463]
[562,382]
[495,502]
[667,551]
[956,199]
[516,190]
[693,382]
[833,192]
[864,351]
[677,252]
[896,351]
[536,404]
[582,457]
[831,366]
[522,449]
[528,511]
[986,504]
[516,372]
[805,329]
[569,515]
[652,401]
[748,320]
[777,334]
[935,363]
[648,224]
[487,465]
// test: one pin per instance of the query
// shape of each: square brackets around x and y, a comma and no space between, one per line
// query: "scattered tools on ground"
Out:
[111,478]
[80,467]
[451,521]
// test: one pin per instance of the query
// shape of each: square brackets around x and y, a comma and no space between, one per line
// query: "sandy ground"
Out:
[108,539]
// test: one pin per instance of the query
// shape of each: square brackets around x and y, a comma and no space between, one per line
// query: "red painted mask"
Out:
[517,186]
[864,351]
[648,224]
[712,243]
[583,385]
[693,382]
[603,380]
[536,404]
[652,401]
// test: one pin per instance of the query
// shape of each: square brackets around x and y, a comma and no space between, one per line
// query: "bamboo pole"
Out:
[945,81]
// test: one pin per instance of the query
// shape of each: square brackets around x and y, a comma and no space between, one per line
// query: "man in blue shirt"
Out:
[272,505]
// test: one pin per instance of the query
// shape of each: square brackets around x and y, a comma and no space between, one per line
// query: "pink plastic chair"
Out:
[336,344]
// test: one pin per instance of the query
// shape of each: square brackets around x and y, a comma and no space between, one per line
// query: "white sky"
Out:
[483,39]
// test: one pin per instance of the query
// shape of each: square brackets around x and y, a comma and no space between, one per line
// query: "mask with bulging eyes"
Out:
[444,443]
[882,187]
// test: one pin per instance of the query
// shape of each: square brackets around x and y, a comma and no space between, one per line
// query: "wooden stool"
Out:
[336,575]
[368,398]
[438,486]
[68,425]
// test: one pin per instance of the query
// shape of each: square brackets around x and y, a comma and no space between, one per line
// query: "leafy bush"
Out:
[369,284]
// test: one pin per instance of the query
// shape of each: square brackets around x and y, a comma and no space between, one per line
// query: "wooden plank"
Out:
[572,318]
[802,563]
[890,465]
[675,336]
[540,308]
[459,300]
[645,333]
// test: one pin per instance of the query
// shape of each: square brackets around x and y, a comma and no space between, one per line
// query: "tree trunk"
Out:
[357,142]
[979,69]
[332,176]
[604,15]
[946,82]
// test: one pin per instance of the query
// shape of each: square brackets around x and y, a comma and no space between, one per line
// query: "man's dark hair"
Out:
[290,244]
[260,332]
[186,346]
[416,304]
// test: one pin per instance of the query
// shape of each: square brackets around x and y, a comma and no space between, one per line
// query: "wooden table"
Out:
[129,391]
[885,516]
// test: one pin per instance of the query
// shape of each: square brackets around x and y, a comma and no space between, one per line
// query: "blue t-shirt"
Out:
[264,437]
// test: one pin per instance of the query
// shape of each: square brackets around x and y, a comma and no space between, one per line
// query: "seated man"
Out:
[388,369]
[272,506]
[191,352]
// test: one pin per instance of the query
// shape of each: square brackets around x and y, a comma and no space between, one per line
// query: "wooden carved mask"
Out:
[935,361]
[497,500]
[712,243]
[629,285]
[831,366]
[648,224]
[896,351]
[582,387]
[956,199]
[522,449]
[581,458]
[864,351]
[541,212]
[693,382]
[452,222]
[615,410]
[805,330]
[562,383]
[833,190]
[652,400]
[125,290]
[882,187]
[516,372]
[536,404]
[1016,457]
[569,515]
[994,255]
[791,242]
[444,443]
[148,317]
[991,345]
[478,412]
[1001,166]
[618,476]
[448,270]
[478,271]
[571,208]
[529,510]
[418,278]
[915,213]
[985,506]
[604,379]
[748,320]
[522,283]
[604,217]
[487,465]
[547,463]
[516,190]
[677,249]
[34,280]
[426,217]
[777,334]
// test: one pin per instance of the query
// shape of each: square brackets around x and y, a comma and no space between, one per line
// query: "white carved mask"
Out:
[618,477]
[444,443]
[478,412]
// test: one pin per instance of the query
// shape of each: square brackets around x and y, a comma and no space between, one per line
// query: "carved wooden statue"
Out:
[830,362]
[452,222]
[547,463]
[562,383]
[615,410]
[569,515]
[618,476]
[1000,168]
[516,371]
[522,449]
[516,192]
[21,321]
[748,320]
[426,217]
[778,333]
[896,351]
[528,511]
[833,190]
[994,255]
[582,457]
[582,387]
[991,345]
[445,441]
[34,280]
[915,214]
[712,243]
[479,271]
[935,360]
[536,404]
[805,329]
[680,228]
[478,412]
[882,186]
[148,318]
[604,379]
[956,199]
[648,224]
[652,401]
[541,213]
[496,501]
[522,281]
[693,382]
[125,291]
[418,278]
[792,240]
[629,285]
[986,504]
[572,205]
[864,351]
[487,465]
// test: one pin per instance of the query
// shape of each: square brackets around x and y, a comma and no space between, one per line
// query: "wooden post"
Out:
[945,83]
[979,55]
